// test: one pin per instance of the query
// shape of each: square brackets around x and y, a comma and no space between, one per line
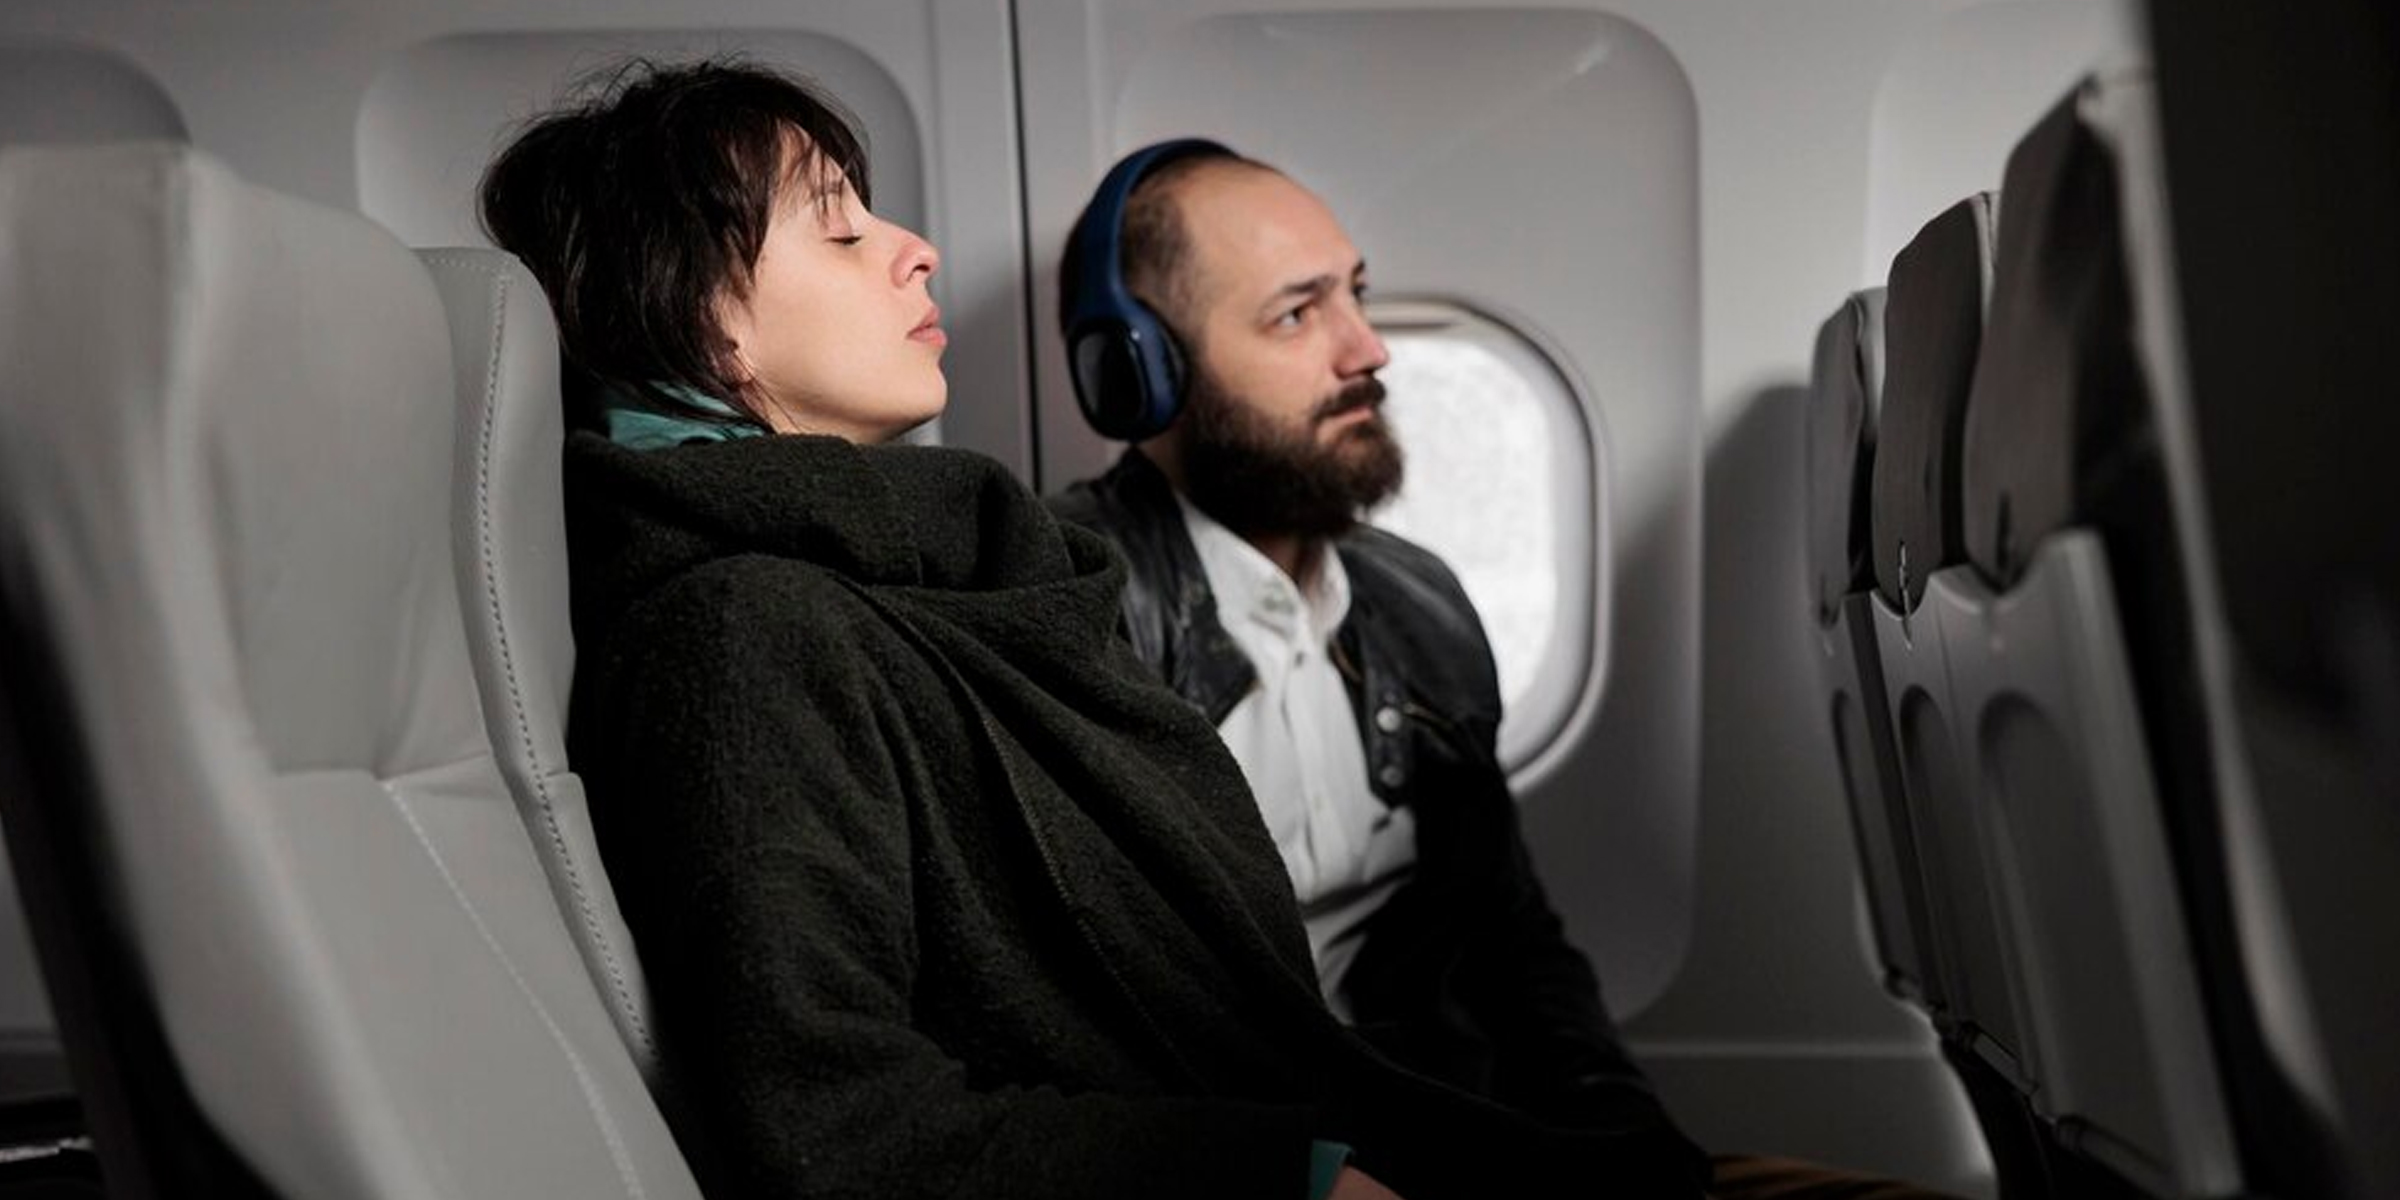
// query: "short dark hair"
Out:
[644,201]
[1154,248]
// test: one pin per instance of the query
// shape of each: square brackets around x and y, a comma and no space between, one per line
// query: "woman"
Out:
[939,893]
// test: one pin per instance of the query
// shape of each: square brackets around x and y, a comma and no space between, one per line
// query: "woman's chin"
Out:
[915,418]
[936,401]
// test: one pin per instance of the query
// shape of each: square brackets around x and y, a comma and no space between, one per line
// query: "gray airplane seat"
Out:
[1933,320]
[511,545]
[52,92]
[298,939]
[2273,156]
[1843,398]
[1933,328]
[2068,525]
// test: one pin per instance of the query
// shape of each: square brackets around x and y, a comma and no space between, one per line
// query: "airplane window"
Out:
[1499,484]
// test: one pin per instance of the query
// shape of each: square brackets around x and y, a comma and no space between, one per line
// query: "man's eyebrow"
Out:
[1300,289]
[1313,286]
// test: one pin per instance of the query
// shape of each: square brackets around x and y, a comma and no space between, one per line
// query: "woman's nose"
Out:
[916,257]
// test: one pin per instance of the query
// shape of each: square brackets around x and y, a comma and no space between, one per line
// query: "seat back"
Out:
[225,544]
[55,92]
[2278,366]
[1844,413]
[512,568]
[31,1063]
[1843,399]
[2067,520]
[1933,329]
[1933,320]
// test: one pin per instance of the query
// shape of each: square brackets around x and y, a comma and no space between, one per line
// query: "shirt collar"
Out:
[638,428]
[1249,586]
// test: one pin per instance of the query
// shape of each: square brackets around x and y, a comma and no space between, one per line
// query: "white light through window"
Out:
[1498,485]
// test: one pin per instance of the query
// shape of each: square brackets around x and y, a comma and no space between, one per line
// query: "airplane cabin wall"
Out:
[1661,198]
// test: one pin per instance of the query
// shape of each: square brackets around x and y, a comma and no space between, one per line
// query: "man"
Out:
[1214,313]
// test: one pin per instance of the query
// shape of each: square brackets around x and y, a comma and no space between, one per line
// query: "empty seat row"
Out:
[280,713]
[1992,543]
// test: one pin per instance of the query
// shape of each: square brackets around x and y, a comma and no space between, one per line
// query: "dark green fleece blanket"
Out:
[940,894]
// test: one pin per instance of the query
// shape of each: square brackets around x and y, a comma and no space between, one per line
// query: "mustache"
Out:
[1366,393]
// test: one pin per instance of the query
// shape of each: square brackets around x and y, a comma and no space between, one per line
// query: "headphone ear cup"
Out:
[1178,381]
[1128,369]
[1112,383]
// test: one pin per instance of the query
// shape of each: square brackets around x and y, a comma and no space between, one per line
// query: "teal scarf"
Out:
[637,428]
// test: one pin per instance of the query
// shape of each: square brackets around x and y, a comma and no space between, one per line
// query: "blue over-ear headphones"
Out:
[1128,369]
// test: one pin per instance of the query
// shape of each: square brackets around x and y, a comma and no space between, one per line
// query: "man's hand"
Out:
[1354,1184]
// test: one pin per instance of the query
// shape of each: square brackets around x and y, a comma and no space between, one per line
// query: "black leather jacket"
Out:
[1466,974]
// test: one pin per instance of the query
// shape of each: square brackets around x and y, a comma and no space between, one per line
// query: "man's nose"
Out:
[1363,351]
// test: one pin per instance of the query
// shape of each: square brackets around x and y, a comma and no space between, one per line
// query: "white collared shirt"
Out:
[1296,738]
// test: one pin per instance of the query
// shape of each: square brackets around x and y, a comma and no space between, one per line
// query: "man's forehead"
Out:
[1254,231]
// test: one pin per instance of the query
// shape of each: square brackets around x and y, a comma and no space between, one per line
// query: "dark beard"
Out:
[1256,479]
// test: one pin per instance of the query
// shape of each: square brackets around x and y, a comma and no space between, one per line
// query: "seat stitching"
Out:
[583,1079]
[508,673]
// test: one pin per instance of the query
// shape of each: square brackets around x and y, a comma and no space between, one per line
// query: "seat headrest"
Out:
[59,92]
[512,569]
[179,339]
[1933,329]
[1844,398]
[2058,391]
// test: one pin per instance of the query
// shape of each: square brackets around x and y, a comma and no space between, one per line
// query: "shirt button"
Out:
[1391,776]
[1387,719]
